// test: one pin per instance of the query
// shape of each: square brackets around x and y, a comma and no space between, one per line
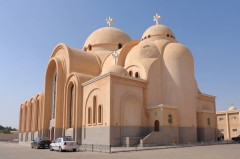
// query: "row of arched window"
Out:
[89,48]
[134,75]
[149,36]
[95,113]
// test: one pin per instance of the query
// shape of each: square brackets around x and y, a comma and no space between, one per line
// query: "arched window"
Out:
[171,36]
[99,114]
[89,115]
[71,107]
[170,119]
[208,121]
[54,94]
[37,114]
[119,46]
[136,75]
[94,109]
[149,36]
[90,47]
[145,37]
[130,73]
[167,35]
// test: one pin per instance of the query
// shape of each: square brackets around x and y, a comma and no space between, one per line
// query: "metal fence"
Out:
[10,140]
[125,148]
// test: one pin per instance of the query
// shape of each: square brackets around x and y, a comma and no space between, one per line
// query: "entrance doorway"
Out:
[156,125]
[52,133]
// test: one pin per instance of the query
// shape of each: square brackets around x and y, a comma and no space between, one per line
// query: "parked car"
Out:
[236,138]
[63,143]
[40,142]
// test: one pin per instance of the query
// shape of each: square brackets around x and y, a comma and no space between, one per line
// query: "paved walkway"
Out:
[19,151]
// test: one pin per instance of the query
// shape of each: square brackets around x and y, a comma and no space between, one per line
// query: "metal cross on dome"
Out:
[110,21]
[115,56]
[156,18]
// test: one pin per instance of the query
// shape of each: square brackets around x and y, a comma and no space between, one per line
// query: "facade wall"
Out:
[223,125]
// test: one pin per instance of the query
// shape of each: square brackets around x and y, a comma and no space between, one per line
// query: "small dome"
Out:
[157,30]
[177,50]
[143,50]
[115,69]
[232,107]
[107,35]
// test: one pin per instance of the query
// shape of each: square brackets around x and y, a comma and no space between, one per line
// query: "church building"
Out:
[117,91]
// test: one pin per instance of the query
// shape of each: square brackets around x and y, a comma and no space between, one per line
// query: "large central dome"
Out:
[107,35]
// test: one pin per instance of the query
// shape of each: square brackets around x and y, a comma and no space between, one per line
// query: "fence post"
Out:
[110,149]
[92,147]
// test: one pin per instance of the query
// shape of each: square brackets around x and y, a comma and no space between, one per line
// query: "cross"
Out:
[110,21]
[156,18]
[115,56]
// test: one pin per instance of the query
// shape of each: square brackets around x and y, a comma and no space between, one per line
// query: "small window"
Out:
[94,109]
[85,49]
[221,119]
[90,47]
[130,73]
[208,121]
[145,37]
[89,115]
[99,114]
[136,75]
[149,36]
[170,119]
[234,130]
[221,130]
[171,36]
[167,35]
[234,118]
[119,46]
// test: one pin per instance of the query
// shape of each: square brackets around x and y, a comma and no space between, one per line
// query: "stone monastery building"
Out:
[116,90]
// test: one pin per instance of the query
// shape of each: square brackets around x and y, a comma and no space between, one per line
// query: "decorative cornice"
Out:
[114,74]
[162,106]
[229,111]
[207,95]
[205,111]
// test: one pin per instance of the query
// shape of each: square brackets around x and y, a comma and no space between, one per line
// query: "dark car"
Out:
[40,142]
[236,138]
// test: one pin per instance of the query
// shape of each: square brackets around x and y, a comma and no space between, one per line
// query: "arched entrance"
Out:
[156,125]
[52,133]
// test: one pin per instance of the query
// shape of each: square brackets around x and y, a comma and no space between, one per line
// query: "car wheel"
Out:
[60,149]
[31,146]
[74,150]
[50,148]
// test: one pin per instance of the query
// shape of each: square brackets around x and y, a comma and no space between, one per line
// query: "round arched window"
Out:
[130,73]
[119,46]
[136,75]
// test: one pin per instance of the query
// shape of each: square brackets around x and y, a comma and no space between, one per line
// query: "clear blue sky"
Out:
[29,31]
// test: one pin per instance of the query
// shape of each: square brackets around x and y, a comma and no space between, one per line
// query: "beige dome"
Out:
[232,107]
[177,50]
[156,30]
[107,35]
[143,50]
[115,69]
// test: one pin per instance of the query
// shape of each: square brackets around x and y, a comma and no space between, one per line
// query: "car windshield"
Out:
[67,139]
[43,138]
